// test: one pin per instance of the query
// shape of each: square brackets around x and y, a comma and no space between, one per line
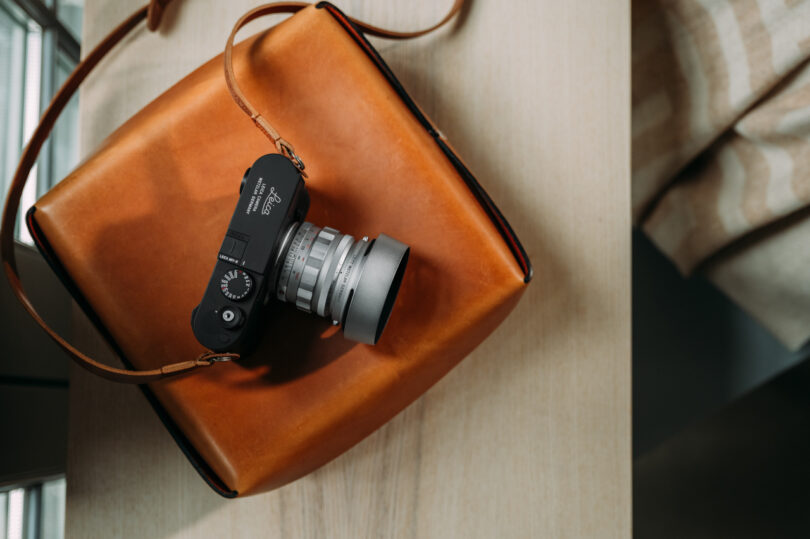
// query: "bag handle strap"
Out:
[284,147]
[152,13]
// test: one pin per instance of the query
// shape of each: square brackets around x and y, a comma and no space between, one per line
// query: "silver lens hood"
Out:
[373,298]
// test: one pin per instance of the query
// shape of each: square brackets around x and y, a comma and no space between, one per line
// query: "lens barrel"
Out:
[352,282]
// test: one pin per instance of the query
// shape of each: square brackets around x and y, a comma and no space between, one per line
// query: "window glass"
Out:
[33,511]
[36,56]
[30,110]
[52,516]
[3,514]
[64,138]
[15,518]
[12,73]
[70,14]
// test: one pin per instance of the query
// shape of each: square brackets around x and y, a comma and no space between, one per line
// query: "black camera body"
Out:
[272,197]
[269,250]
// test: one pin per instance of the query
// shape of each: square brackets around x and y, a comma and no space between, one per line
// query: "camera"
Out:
[270,251]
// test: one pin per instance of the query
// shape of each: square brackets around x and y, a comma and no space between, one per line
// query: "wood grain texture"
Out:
[530,435]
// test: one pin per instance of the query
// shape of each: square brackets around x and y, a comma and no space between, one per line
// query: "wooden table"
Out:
[530,435]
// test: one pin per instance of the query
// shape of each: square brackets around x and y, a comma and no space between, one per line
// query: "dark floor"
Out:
[742,472]
[721,414]
[694,350]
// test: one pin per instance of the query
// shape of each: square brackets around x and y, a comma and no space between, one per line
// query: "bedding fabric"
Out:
[721,148]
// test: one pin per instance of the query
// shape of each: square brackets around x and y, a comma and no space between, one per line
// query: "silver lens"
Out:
[353,283]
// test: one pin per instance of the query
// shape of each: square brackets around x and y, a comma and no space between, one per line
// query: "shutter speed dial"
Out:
[236,284]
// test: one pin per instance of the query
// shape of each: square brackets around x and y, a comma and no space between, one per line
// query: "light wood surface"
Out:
[530,435]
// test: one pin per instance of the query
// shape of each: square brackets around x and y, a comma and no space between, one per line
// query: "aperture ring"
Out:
[294,261]
[312,267]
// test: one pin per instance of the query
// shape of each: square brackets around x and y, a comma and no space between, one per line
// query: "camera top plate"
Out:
[272,197]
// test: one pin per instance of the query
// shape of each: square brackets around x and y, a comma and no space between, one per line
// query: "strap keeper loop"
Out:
[209,358]
[286,149]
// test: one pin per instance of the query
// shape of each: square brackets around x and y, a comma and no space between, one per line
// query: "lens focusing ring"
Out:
[346,281]
[336,257]
[316,261]
[293,262]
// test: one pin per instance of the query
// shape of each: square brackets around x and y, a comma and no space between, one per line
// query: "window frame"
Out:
[37,511]
[56,39]
[47,17]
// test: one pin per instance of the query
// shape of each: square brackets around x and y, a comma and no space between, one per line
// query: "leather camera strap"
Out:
[152,13]
[284,147]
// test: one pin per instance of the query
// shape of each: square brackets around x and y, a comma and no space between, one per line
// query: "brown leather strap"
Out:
[389,34]
[284,147]
[153,13]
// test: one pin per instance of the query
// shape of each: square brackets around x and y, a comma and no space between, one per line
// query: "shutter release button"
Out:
[232,317]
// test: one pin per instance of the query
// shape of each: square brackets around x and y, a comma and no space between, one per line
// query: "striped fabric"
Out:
[721,147]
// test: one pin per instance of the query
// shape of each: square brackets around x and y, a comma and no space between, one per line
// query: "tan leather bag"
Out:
[134,230]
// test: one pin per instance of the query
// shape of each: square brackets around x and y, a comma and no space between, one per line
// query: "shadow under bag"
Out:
[133,232]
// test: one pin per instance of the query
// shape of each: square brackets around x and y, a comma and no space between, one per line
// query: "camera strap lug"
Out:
[286,149]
